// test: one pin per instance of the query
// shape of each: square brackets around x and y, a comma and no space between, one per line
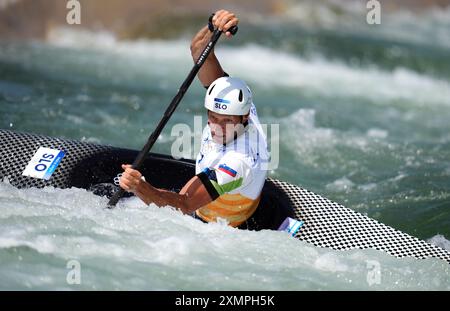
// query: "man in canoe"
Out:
[230,170]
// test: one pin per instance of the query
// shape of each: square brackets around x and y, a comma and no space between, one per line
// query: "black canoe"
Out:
[94,167]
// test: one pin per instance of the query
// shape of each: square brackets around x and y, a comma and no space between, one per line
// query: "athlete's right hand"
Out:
[224,20]
[211,69]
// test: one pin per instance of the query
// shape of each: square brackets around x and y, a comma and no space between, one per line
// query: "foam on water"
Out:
[279,69]
[271,68]
[392,151]
[162,50]
[441,241]
[371,171]
[312,142]
[140,247]
[350,16]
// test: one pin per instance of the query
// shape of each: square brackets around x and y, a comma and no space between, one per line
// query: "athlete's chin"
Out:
[220,139]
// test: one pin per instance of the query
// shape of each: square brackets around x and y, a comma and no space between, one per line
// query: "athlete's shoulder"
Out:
[237,157]
[232,166]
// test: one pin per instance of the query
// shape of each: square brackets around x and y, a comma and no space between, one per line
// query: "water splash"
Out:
[144,247]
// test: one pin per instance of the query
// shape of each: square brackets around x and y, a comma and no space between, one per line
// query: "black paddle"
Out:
[169,111]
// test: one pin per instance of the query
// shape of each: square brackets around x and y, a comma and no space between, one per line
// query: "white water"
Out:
[350,17]
[139,247]
[264,67]
[271,68]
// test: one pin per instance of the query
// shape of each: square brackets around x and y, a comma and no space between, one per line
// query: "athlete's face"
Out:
[225,127]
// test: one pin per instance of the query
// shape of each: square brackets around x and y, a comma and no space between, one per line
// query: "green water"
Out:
[363,114]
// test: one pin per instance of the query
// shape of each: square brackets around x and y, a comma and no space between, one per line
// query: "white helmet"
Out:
[230,96]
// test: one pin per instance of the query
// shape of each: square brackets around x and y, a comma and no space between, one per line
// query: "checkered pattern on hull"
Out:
[17,149]
[326,224]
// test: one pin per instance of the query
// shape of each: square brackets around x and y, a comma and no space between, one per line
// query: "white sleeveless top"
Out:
[236,171]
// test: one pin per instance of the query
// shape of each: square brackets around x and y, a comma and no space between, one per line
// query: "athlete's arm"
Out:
[193,195]
[211,69]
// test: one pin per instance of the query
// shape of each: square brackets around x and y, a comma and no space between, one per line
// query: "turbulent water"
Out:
[364,120]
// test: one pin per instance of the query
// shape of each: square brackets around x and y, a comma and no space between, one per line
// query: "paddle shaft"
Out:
[169,111]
